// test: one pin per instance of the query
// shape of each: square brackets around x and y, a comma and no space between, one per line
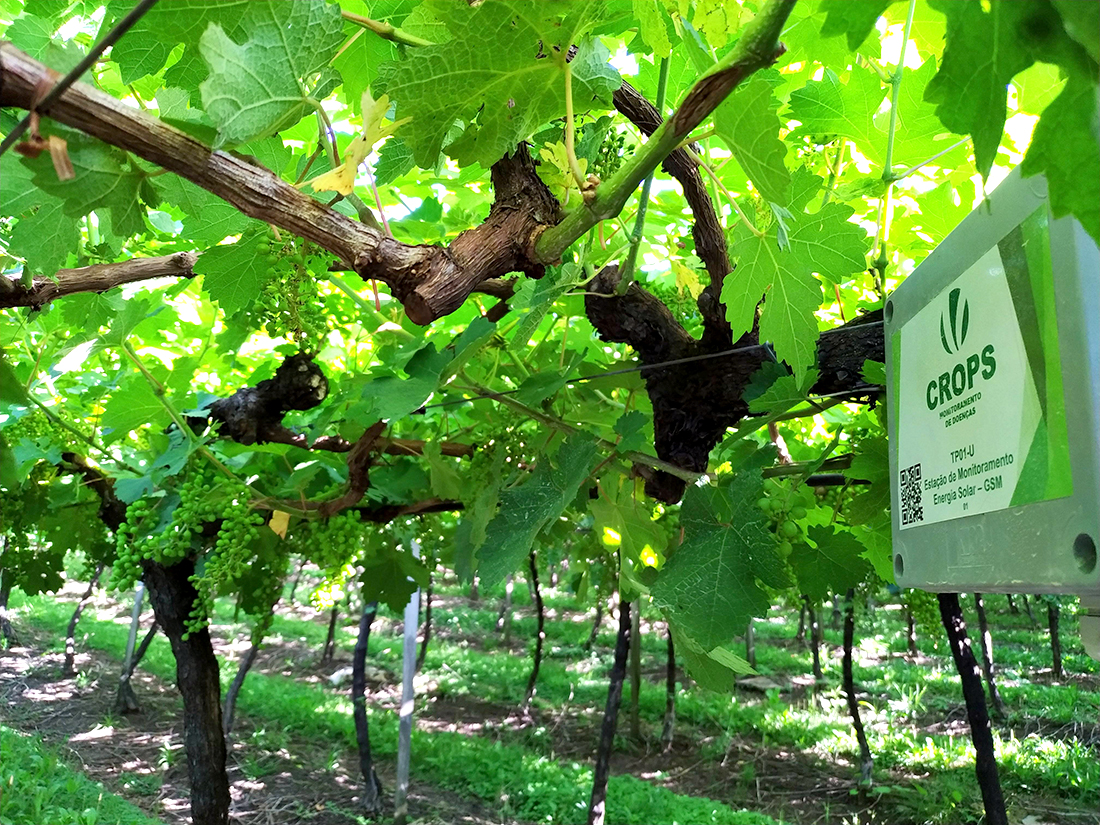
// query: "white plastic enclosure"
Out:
[993,369]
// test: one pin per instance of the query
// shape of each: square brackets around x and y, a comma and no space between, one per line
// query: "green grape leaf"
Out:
[35,572]
[447,483]
[70,529]
[717,20]
[389,397]
[919,134]
[394,160]
[854,20]
[709,670]
[804,188]
[878,546]
[35,36]
[104,179]
[133,405]
[783,393]
[500,74]
[133,311]
[391,577]
[871,463]
[147,46]
[358,62]
[207,218]
[828,107]
[730,660]
[1082,22]
[748,123]
[1064,149]
[824,243]
[653,26]
[483,494]
[836,563]
[712,585]
[18,192]
[9,477]
[233,273]
[984,50]
[533,299]
[11,388]
[631,429]
[92,310]
[257,88]
[528,507]
[623,509]
[874,372]
[45,237]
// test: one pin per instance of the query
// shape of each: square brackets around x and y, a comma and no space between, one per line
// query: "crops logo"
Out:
[958,325]
[952,384]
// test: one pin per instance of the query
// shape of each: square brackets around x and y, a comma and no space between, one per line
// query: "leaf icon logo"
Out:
[960,322]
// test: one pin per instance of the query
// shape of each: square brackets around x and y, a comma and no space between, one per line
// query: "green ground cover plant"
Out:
[37,785]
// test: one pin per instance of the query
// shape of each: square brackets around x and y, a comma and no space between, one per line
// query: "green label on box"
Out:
[981,413]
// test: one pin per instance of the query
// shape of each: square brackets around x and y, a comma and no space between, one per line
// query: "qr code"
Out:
[912,508]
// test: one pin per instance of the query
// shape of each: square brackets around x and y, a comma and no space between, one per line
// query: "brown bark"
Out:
[815,637]
[710,240]
[330,640]
[173,596]
[866,761]
[95,278]
[423,654]
[540,637]
[1027,607]
[69,668]
[504,617]
[987,658]
[981,730]
[126,700]
[7,632]
[229,709]
[372,794]
[670,697]
[591,640]
[1054,612]
[636,672]
[431,281]
[685,433]
[597,805]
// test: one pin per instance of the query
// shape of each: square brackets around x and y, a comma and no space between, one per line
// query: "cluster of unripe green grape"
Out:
[204,500]
[610,156]
[835,496]
[37,425]
[288,302]
[680,302]
[238,527]
[330,543]
[785,507]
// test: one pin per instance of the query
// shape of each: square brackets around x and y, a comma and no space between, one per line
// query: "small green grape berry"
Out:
[789,530]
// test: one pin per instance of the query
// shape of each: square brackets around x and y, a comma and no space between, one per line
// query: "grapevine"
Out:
[785,507]
[610,155]
[288,302]
[208,514]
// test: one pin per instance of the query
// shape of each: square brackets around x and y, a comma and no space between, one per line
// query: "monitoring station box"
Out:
[993,369]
